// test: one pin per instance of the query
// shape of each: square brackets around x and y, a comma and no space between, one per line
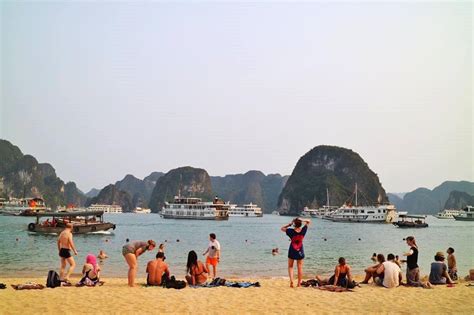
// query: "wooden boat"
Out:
[83,222]
[411,221]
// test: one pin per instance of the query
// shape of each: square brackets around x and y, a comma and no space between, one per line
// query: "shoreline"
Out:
[274,296]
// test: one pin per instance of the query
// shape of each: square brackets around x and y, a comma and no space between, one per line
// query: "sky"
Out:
[105,89]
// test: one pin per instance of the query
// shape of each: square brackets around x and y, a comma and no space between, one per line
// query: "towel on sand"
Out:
[28,286]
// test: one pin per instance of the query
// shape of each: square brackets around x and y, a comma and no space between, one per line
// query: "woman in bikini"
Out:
[131,251]
[90,272]
[196,270]
[296,251]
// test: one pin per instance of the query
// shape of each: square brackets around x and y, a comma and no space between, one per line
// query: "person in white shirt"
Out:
[213,252]
[392,274]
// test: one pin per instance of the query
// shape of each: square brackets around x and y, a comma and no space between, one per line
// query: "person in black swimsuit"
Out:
[296,251]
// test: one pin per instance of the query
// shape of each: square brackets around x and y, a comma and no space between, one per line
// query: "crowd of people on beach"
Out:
[385,272]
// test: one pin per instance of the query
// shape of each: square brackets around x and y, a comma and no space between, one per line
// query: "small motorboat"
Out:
[83,222]
[411,221]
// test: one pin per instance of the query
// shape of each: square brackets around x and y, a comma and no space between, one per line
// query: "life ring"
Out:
[31,227]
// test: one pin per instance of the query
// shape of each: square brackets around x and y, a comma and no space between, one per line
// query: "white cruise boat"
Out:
[139,210]
[319,213]
[367,214]
[105,208]
[466,214]
[308,213]
[22,206]
[195,209]
[447,214]
[247,210]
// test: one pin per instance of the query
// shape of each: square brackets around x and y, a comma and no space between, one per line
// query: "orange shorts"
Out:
[212,261]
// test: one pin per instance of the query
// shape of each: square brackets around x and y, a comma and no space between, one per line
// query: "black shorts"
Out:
[64,253]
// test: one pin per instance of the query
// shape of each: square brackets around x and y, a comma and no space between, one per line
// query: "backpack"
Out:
[172,283]
[53,280]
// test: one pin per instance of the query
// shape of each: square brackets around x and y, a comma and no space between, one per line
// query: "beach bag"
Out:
[172,283]
[53,280]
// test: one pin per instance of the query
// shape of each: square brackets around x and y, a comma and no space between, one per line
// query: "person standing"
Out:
[213,252]
[452,267]
[413,271]
[130,252]
[296,250]
[65,245]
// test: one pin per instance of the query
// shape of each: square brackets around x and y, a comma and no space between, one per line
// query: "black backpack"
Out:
[53,280]
[172,283]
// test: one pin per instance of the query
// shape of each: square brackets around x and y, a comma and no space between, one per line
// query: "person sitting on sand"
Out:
[370,272]
[392,274]
[157,270]
[296,251]
[90,272]
[196,271]
[130,252]
[452,268]
[102,255]
[439,270]
[342,275]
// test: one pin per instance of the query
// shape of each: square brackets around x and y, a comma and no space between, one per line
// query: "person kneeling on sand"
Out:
[196,271]
[90,272]
[371,271]
[391,273]
[157,270]
[342,275]
[439,270]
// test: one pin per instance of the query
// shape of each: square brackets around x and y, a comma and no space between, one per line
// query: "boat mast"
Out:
[327,196]
[356,194]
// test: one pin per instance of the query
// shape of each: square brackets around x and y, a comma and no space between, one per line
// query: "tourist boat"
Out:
[308,213]
[319,213]
[383,213]
[139,210]
[466,214]
[246,210]
[22,206]
[411,221]
[83,222]
[447,214]
[195,209]
[105,208]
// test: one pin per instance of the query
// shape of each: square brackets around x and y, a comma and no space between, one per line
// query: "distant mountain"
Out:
[426,201]
[22,176]
[252,186]
[459,200]
[328,167]
[111,195]
[140,190]
[185,181]
[92,193]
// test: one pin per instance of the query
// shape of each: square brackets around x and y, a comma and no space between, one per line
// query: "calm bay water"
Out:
[246,244]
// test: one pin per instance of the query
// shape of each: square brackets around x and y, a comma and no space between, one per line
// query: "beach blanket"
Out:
[219,282]
[28,286]
[334,288]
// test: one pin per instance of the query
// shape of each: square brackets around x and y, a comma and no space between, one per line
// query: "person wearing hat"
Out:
[439,270]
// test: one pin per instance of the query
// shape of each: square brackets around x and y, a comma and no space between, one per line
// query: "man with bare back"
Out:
[65,245]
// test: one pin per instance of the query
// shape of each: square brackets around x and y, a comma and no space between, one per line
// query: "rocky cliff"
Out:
[186,181]
[252,186]
[334,168]
[459,200]
[139,190]
[22,176]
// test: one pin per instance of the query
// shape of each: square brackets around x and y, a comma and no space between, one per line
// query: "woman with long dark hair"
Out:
[195,269]
[296,251]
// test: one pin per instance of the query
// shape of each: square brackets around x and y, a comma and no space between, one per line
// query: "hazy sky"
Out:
[100,90]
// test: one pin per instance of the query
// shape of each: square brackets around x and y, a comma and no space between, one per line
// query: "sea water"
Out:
[246,244]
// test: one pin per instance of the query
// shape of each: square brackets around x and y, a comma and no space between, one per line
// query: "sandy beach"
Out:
[274,296]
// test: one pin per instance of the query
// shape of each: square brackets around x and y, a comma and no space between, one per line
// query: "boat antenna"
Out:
[356,193]
[327,196]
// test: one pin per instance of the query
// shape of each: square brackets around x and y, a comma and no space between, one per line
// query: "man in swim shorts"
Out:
[213,252]
[65,245]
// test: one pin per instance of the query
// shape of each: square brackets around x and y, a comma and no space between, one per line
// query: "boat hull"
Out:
[409,225]
[459,218]
[185,217]
[78,228]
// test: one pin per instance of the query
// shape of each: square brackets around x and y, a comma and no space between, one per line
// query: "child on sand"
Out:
[452,268]
[296,251]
